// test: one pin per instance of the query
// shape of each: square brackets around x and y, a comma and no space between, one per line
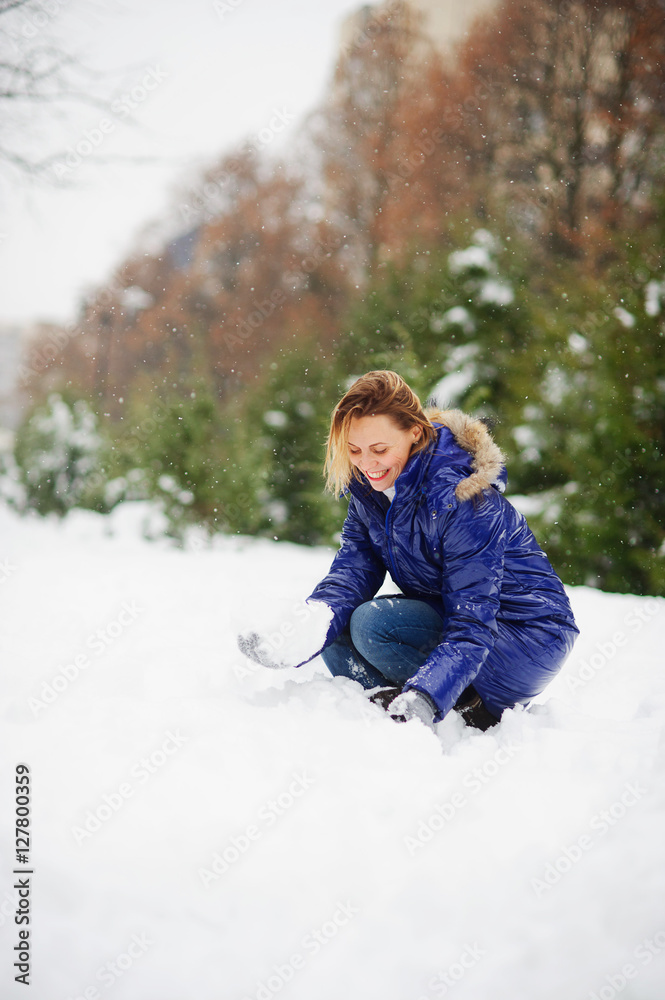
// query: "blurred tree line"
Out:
[491,226]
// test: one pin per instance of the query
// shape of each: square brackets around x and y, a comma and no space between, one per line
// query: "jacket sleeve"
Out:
[473,541]
[356,573]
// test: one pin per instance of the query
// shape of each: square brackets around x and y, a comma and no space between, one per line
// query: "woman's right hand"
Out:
[258,648]
[293,643]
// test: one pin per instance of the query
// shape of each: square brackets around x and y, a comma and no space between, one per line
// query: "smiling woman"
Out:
[380,461]
[482,622]
[374,430]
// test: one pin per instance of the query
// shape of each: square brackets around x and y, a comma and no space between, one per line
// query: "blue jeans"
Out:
[387,642]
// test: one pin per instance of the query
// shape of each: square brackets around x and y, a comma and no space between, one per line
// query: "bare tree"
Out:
[42,90]
[356,131]
[578,125]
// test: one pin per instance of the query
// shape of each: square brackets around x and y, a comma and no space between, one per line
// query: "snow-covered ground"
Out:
[204,829]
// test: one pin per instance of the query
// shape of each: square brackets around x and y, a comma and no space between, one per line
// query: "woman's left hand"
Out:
[412,705]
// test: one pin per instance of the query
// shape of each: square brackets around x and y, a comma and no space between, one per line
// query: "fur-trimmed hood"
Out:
[488,461]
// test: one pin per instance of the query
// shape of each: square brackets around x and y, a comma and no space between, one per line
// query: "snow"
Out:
[65,429]
[626,318]
[555,385]
[496,293]
[457,316]
[653,295]
[171,486]
[204,827]
[449,390]
[578,343]
[529,442]
[478,256]
[60,454]
[529,505]
[136,298]
[489,290]
[472,258]
[275,418]
[462,372]
[287,637]
[277,511]
[484,238]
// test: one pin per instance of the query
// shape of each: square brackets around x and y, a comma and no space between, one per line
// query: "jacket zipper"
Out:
[391,555]
[387,524]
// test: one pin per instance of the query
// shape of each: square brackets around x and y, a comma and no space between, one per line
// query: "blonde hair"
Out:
[378,393]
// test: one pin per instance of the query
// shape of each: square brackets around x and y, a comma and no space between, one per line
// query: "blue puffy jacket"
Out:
[451,539]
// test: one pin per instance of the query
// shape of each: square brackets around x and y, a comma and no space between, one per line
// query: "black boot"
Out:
[470,706]
[384,695]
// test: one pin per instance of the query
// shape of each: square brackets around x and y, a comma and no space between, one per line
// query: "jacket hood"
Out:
[487,459]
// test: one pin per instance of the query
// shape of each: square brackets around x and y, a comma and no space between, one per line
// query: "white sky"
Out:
[221,72]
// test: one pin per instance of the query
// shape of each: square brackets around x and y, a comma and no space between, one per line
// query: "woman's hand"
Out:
[257,648]
[412,705]
[293,642]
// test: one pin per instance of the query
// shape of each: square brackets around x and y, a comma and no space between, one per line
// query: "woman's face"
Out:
[379,449]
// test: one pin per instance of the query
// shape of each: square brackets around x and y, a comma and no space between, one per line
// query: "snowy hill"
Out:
[203,828]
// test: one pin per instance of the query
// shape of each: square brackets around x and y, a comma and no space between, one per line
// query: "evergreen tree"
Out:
[596,434]
[293,407]
[58,457]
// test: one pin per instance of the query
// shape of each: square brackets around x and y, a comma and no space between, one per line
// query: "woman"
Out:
[482,622]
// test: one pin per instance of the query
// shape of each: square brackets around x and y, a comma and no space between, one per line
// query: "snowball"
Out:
[288,637]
